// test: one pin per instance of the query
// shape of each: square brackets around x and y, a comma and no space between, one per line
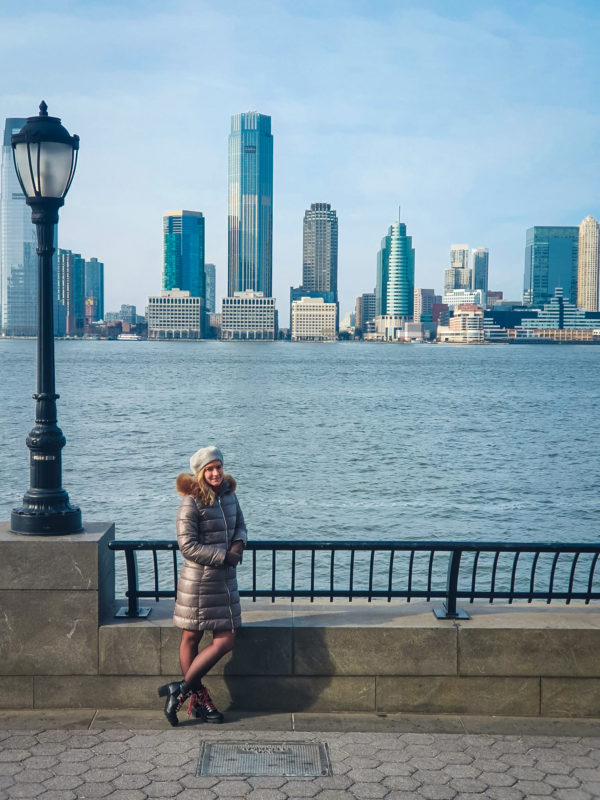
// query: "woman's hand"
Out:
[234,554]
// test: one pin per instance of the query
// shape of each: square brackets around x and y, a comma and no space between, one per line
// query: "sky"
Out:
[476,119]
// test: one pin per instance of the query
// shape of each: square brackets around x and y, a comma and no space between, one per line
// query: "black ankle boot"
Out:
[176,694]
[203,707]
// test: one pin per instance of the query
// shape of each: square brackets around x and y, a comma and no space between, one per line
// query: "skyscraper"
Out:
[210,280]
[587,265]
[94,288]
[395,273]
[71,290]
[250,226]
[320,249]
[18,257]
[459,256]
[480,270]
[18,240]
[550,263]
[183,252]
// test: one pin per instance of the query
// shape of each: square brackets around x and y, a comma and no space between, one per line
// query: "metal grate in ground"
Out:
[253,759]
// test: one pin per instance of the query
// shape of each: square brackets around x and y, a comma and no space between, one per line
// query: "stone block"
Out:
[54,562]
[99,691]
[48,633]
[570,697]
[452,695]
[526,651]
[258,651]
[375,651]
[290,694]
[130,648]
[16,692]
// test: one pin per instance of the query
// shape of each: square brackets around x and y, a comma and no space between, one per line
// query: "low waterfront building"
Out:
[313,320]
[249,316]
[386,327]
[175,314]
[465,326]
[560,314]
[461,297]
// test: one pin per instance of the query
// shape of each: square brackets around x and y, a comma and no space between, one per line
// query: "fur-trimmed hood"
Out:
[186,483]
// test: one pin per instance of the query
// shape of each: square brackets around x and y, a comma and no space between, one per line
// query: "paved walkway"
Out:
[134,755]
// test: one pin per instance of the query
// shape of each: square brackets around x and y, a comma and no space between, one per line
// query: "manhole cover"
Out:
[280,759]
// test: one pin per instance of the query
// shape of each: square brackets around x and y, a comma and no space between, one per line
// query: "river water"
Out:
[333,441]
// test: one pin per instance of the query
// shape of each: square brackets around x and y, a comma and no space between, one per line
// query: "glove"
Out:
[233,558]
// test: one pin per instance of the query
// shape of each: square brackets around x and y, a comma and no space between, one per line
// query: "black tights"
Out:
[194,664]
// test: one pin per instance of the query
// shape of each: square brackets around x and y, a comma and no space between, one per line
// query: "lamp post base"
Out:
[46,523]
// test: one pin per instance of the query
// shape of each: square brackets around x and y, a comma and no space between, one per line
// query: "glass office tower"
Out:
[480,270]
[18,256]
[183,252]
[320,249]
[210,277]
[394,293]
[18,242]
[550,263]
[94,287]
[250,225]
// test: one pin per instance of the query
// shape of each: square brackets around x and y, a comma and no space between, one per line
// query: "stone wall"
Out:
[61,647]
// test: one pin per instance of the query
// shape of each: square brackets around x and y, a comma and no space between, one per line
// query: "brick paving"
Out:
[133,764]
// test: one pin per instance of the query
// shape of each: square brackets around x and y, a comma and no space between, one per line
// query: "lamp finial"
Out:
[43,109]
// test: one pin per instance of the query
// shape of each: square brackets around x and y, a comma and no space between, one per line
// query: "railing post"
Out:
[449,609]
[132,609]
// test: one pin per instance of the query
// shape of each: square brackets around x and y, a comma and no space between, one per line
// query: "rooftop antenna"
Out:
[399,210]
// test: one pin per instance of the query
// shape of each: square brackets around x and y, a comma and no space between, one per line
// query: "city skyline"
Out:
[459,177]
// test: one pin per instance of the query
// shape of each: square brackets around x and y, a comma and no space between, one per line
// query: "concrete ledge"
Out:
[374,651]
[570,697]
[529,651]
[444,695]
[16,691]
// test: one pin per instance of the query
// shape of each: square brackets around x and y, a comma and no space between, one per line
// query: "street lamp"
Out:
[45,157]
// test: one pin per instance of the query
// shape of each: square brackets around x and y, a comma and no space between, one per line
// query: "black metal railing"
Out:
[425,570]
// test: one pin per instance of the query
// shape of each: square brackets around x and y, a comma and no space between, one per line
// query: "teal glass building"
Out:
[394,292]
[183,252]
[550,263]
[94,287]
[250,224]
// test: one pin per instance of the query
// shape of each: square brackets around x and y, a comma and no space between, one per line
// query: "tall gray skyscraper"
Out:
[18,241]
[320,249]
[250,226]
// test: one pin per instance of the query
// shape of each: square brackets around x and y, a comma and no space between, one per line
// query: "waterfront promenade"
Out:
[135,755]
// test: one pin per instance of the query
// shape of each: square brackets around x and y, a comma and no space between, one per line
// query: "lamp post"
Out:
[45,156]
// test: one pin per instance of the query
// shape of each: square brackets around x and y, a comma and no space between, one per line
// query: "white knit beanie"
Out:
[204,456]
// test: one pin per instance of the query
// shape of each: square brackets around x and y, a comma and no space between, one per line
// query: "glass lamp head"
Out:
[45,157]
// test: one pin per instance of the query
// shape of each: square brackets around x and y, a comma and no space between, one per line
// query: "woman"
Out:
[211,534]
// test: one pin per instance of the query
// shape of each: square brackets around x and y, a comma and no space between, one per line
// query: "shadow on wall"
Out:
[266,673]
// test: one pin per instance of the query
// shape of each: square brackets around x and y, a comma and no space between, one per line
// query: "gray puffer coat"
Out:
[207,590]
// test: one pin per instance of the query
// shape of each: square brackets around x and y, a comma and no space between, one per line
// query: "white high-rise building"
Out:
[588,265]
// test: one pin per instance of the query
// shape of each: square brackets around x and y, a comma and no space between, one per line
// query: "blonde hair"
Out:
[198,487]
